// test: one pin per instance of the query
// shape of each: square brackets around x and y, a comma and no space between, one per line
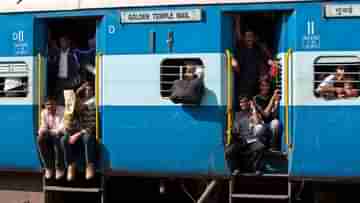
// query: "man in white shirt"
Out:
[332,84]
[68,75]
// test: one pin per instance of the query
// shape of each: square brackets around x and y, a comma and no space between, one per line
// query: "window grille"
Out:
[14,79]
[174,69]
[336,77]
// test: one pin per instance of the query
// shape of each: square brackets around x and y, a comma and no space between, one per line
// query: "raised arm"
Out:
[254,114]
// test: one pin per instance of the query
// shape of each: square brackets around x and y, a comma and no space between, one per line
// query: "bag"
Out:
[187,91]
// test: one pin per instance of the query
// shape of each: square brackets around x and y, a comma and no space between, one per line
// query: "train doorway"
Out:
[66,65]
[258,41]
[256,141]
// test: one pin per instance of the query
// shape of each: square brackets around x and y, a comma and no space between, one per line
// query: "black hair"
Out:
[50,98]
[241,97]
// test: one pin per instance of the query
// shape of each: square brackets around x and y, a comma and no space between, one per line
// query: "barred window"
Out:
[174,69]
[13,79]
[337,77]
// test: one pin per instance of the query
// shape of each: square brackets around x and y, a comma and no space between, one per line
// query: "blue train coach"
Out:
[142,47]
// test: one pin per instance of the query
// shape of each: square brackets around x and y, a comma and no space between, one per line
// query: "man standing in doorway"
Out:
[249,64]
[68,76]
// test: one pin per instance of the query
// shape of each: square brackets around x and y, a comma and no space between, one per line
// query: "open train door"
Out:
[273,33]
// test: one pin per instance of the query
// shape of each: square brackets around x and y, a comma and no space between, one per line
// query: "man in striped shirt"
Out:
[86,135]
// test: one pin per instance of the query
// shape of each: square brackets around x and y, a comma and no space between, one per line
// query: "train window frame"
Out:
[167,79]
[325,70]
[14,75]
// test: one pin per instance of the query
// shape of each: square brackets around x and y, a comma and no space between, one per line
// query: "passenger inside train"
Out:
[189,90]
[340,84]
[80,130]
[68,124]
[267,106]
[50,132]
[256,74]
[249,138]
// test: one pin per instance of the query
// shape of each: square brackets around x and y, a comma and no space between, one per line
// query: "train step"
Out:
[79,184]
[72,189]
[269,186]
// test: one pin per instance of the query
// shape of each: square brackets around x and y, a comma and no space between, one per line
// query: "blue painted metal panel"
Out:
[17,145]
[334,34]
[326,141]
[13,43]
[163,139]
[204,36]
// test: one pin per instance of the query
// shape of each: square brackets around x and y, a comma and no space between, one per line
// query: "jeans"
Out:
[72,151]
[51,151]
[274,127]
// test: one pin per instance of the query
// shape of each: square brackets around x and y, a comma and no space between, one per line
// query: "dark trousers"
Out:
[51,150]
[86,142]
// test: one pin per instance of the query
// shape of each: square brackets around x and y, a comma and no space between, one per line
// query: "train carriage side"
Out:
[18,102]
[144,131]
[325,138]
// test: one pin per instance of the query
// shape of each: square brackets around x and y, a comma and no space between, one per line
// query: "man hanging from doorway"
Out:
[250,60]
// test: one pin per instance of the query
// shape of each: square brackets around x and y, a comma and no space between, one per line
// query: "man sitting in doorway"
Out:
[248,138]
[267,105]
[49,135]
[84,136]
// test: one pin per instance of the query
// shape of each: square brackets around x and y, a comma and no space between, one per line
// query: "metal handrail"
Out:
[166,82]
[14,91]
[39,71]
[346,73]
[97,96]
[286,85]
[343,81]
[229,92]
[22,84]
[180,66]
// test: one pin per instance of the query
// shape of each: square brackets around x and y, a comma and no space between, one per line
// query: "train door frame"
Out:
[283,54]
[282,51]
[40,44]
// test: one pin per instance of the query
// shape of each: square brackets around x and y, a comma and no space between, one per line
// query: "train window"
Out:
[13,79]
[337,77]
[174,69]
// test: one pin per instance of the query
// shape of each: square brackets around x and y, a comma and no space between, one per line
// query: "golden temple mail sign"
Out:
[160,16]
